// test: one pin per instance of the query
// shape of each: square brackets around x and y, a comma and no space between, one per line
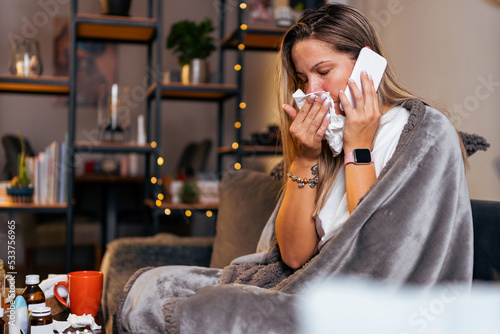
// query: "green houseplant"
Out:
[20,189]
[192,42]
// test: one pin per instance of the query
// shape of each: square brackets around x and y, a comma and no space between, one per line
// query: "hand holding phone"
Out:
[371,62]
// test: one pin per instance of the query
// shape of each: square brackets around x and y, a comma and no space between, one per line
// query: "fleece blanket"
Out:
[413,227]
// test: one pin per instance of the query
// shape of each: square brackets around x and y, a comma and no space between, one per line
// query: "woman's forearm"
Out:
[359,179]
[295,226]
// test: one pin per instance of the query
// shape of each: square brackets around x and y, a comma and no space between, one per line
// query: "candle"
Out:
[141,132]
[26,65]
[114,106]
[19,68]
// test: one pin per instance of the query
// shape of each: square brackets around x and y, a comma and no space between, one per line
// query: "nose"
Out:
[313,85]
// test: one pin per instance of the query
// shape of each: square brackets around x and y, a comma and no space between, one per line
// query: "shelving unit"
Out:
[113,29]
[47,86]
[145,31]
[242,39]
[208,92]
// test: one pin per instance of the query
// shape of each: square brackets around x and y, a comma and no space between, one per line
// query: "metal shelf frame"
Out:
[243,39]
[124,30]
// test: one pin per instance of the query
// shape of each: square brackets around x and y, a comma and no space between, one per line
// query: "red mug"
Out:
[84,292]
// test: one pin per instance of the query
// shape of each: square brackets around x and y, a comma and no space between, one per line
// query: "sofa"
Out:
[247,199]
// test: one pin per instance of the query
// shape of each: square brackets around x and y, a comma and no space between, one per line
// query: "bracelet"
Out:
[311,182]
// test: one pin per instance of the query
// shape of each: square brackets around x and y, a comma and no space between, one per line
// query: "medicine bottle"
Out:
[2,322]
[2,284]
[41,321]
[32,294]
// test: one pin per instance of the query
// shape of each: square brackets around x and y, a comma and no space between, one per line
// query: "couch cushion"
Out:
[486,218]
[247,199]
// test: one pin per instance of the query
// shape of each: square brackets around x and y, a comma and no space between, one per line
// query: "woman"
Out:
[403,219]
[318,54]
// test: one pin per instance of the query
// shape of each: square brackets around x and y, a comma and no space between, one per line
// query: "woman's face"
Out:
[322,68]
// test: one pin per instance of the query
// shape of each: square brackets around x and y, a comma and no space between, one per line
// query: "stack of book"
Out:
[49,174]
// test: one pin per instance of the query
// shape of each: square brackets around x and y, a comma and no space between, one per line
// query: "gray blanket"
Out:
[414,226]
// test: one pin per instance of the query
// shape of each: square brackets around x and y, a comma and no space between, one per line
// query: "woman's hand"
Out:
[361,123]
[360,127]
[308,126]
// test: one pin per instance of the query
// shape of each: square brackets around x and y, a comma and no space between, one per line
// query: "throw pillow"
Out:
[247,200]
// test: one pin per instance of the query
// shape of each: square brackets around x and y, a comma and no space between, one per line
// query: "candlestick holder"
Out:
[113,115]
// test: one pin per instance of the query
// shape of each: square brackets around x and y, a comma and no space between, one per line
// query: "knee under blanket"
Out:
[414,226]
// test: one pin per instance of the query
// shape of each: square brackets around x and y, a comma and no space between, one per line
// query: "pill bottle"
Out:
[32,294]
[41,320]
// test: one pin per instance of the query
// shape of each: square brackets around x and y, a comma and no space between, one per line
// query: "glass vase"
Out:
[25,58]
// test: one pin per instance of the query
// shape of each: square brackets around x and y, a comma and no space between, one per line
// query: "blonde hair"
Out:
[347,30]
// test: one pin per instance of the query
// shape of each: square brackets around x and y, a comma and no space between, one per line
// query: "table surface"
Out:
[60,313]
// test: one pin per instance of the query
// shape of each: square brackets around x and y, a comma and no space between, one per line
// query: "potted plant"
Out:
[189,192]
[20,189]
[192,43]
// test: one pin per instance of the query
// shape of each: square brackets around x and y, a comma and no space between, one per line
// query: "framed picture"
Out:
[260,12]
[96,65]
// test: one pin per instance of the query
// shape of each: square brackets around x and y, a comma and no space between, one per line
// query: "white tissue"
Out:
[48,284]
[334,134]
[79,321]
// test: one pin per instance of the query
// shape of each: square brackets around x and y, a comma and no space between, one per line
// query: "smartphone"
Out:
[371,62]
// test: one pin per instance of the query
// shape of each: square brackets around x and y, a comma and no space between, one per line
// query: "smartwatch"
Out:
[360,156]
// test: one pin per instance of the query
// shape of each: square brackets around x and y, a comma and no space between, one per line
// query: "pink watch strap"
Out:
[349,158]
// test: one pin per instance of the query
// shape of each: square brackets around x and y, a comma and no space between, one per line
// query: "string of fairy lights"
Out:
[235,145]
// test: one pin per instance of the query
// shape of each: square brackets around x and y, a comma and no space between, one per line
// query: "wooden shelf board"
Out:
[7,206]
[256,38]
[206,91]
[181,206]
[35,85]
[249,149]
[115,28]
[90,147]
[107,178]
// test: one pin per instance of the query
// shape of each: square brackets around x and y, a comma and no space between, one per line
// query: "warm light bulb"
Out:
[237,166]
[168,212]
[153,180]
[161,196]
[237,67]
[241,47]
[243,27]
[243,105]
[235,145]
[237,125]
[158,202]
[188,213]
[243,5]
[209,213]
[154,144]
[160,161]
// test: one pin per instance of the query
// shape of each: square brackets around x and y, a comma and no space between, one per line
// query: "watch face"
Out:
[362,156]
